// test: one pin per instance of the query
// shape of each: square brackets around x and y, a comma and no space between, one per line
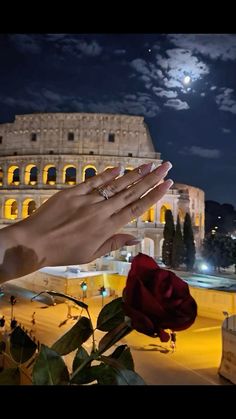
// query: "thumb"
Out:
[116,242]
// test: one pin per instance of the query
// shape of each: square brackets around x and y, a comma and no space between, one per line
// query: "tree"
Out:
[168,234]
[189,243]
[218,250]
[178,247]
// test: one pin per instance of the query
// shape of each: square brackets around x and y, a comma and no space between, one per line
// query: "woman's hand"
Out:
[79,224]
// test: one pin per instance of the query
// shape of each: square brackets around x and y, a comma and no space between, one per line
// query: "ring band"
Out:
[103,192]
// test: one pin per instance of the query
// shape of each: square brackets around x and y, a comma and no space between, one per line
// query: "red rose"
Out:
[156,299]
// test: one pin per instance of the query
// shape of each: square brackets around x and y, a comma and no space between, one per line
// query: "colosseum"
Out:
[42,153]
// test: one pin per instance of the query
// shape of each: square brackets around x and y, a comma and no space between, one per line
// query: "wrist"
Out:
[18,255]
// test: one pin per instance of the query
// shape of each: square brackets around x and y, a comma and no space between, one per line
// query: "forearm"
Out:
[17,255]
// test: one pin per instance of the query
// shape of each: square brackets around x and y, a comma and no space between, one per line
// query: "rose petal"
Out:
[139,321]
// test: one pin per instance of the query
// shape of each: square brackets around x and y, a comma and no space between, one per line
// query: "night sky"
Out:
[192,125]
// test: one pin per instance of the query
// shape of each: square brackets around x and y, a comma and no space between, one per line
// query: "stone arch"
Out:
[31,174]
[147,246]
[181,214]
[28,207]
[128,169]
[13,175]
[148,216]
[163,212]
[69,174]
[10,209]
[1,176]
[109,167]
[49,174]
[88,171]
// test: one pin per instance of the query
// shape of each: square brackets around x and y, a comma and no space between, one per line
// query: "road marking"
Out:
[206,329]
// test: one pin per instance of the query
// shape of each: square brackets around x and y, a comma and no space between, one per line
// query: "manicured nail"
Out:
[169,182]
[136,240]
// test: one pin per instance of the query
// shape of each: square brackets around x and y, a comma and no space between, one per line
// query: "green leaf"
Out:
[22,347]
[49,368]
[113,336]
[80,356]
[104,374]
[123,376]
[68,297]
[10,377]
[123,355]
[75,337]
[111,315]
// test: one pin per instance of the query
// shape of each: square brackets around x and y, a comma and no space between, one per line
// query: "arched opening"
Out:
[163,212]
[89,171]
[69,175]
[31,174]
[128,169]
[197,220]
[148,216]
[13,175]
[10,209]
[147,246]
[1,176]
[49,175]
[29,206]
[181,213]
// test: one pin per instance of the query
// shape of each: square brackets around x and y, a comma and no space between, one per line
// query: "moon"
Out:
[187,79]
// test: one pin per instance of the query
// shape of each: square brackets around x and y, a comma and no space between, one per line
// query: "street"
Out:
[195,361]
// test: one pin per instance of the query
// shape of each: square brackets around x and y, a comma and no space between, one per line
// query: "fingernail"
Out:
[169,182]
[167,165]
[136,240]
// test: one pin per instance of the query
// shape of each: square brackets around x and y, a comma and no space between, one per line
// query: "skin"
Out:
[78,225]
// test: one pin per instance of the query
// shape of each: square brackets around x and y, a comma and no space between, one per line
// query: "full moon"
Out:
[187,80]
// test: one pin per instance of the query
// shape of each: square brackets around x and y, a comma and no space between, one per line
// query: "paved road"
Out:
[195,361]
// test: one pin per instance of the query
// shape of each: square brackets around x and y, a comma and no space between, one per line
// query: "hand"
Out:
[78,225]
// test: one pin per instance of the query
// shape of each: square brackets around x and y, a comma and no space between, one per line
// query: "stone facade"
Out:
[43,153]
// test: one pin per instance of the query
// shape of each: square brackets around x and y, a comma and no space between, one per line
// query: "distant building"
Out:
[42,153]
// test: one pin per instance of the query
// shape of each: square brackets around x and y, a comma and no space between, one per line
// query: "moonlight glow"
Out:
[187,80]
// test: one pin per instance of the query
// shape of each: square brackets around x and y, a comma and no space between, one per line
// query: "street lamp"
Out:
[13,302]
[103,293]
[84,287]
[226,314]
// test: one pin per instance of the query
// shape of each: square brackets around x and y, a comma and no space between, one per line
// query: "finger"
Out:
[138,207]
[116,242]
[95,181]
[135,191]
[123,182]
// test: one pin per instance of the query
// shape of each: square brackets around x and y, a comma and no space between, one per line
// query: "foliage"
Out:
[97,367]
[219,250]
[148,305]
[189,244]
[168,234]
[177,256]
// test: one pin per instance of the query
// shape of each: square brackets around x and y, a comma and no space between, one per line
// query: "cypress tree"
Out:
[168,234]
[189,243]
[178,247]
